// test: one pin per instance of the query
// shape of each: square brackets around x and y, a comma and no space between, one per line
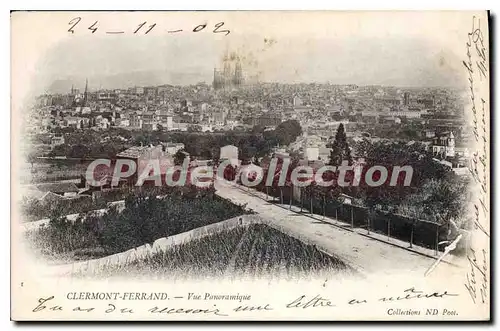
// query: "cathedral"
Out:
[80,100]
[231,76]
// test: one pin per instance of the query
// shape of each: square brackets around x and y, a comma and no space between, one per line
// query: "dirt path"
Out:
[362,253]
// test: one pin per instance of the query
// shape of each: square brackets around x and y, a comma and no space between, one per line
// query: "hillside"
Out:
[250,251]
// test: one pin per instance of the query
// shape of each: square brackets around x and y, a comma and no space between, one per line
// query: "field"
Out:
[144,219]
[252,251]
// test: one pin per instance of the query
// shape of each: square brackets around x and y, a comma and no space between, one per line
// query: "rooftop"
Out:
[57,187]
[171,144]
[135,151]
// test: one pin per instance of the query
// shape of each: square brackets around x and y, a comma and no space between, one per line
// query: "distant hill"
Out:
[131,79]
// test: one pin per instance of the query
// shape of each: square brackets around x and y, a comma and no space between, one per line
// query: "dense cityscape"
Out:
[247,122]
[433,116]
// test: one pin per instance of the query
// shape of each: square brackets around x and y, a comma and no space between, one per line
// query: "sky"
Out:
[364,49]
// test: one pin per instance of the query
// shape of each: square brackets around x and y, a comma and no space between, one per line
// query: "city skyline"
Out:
[79,86]
[412,68]
[337,53]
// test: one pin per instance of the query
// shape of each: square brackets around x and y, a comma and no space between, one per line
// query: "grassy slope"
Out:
[251,251]
[142,221]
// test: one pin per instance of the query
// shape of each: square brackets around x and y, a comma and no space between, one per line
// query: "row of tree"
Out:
[253,144]
[435,193]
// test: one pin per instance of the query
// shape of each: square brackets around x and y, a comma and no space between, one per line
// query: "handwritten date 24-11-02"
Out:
[144,27]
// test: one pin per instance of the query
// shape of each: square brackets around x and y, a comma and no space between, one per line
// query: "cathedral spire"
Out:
[85,93]
[238,74]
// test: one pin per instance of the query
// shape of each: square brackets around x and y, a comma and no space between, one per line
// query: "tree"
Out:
[257,129]
[179,157]
[229,172]
[439,200]
[340,149]
[145,138]
[285,133]
[194,128]
[61,150]
[215,152]
[206,154]
[247,152]
[31,158]
[79,151]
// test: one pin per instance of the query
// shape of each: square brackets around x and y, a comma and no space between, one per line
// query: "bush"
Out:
[144,219]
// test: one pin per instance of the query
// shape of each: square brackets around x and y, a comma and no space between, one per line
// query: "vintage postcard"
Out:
[271,166]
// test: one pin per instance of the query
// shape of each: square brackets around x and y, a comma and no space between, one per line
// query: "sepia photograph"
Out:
[250,165]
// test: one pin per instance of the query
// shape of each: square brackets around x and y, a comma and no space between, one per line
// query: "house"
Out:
[324,154]
[429,133]
[444,144]
[267,119]
[311,153]
[63,188]
[172,148]
[84,122]
[150,125]
[141,155]
[123,122]
[150,92]
[180,126]
[166,119]
[149,116]
[462,149]
[51,198]
[206,128]
[217,117]
[103,122]
[201,163]
[57,140]
[297,101]
[33,193]
[230,153]
[136,120]
[72,122]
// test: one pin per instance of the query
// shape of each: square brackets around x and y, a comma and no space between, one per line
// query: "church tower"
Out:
[227,71]
[238,74]
[450,145]
[85,93]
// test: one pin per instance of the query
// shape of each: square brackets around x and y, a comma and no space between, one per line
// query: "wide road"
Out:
[364,254]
